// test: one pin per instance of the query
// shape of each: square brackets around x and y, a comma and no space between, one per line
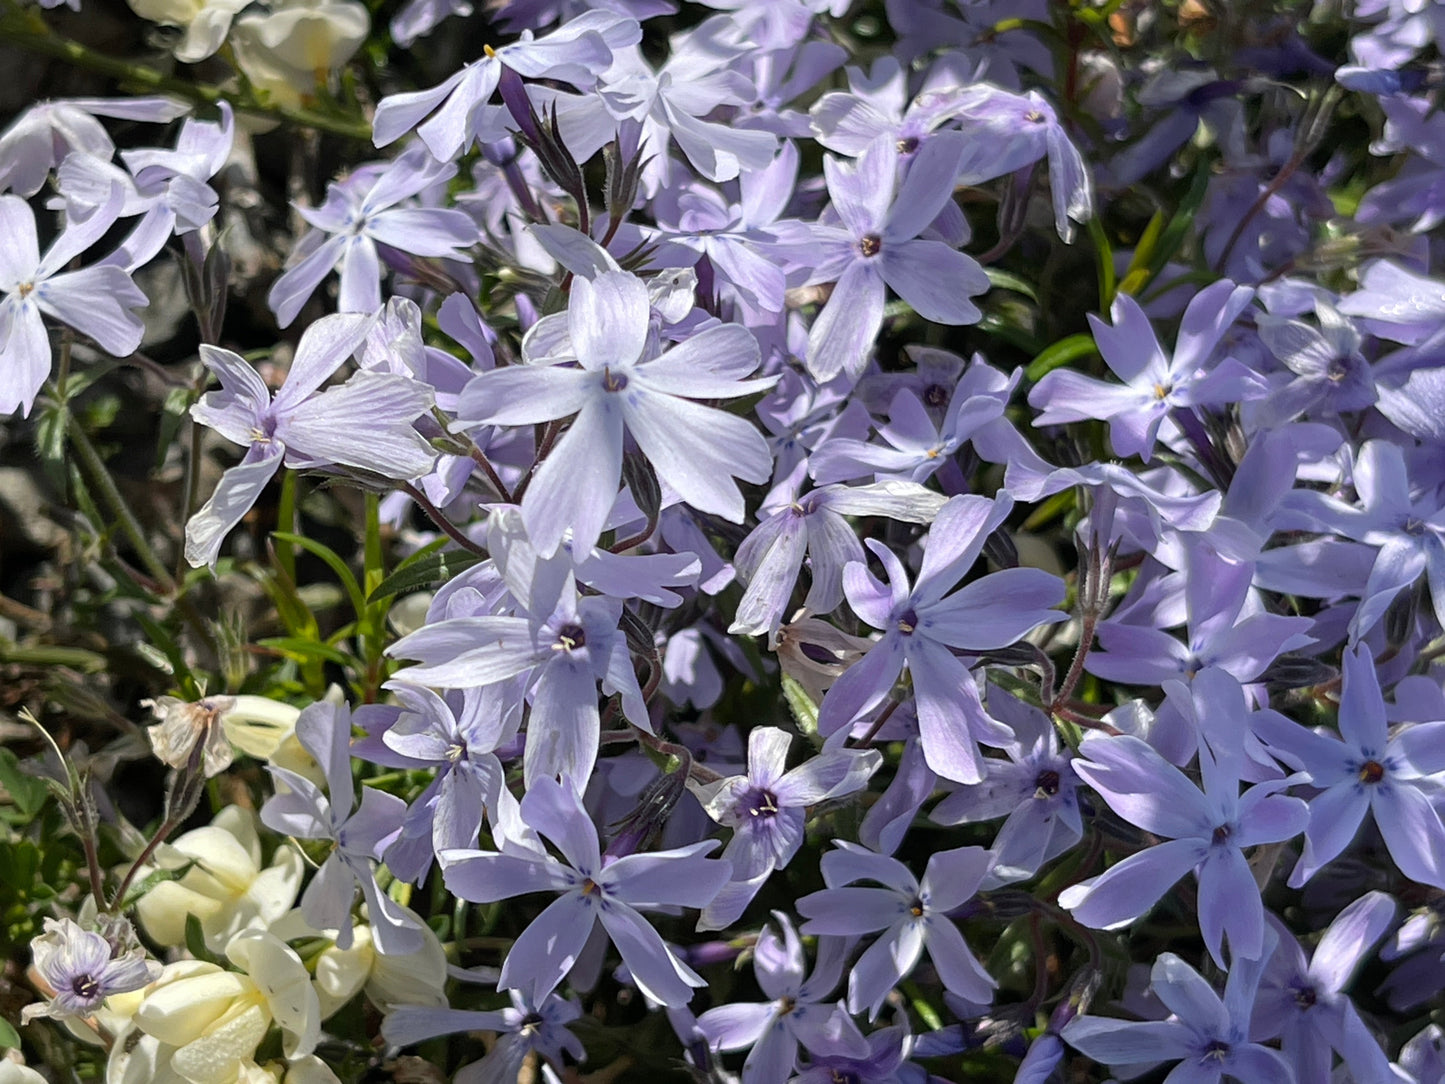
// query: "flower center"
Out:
[908,145]
[764,804]
[531,1023]
[613,381]
[935,395]
[1216,1051]
[570,637]
[1034,116]
[24,290]
[1160,391]
[916,908]
[1337,371]
[85,987]
[590,886]
[1221,835]
[1305,997]
[907,621]
[843,1076]
[870,245]
[1047,784]
[1372,771]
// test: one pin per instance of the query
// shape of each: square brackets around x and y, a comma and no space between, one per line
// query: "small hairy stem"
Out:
[866,742]
[479,457]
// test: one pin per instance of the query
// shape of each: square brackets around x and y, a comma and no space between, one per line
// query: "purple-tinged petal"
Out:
[1351,936]
[951,877]
[827,775]
[1144,788]
[239,489]
[469,651]
[843,333]
[360,277]
[522,395]
[863,686]
[736,1026]
[482,877]
[935,279]
[887,960]
[607,319]
[1128,1042]
[848,862]
[1208,317]
[861,191]
[96,301]
[576,485]
[556,812]
[957,966]
[657,972]
[710,365]
[563,731]
[681,877]
[325,346]
[1413,831]
[850,910]
[1362,719]
[1229,903]
[1127,890]
[941,685]
[547,949]
[1335,817]
[995,611]
[294,288]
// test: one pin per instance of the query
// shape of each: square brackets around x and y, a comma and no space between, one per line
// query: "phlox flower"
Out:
[1207,1035]
[96,301]
[84,967]
[624,386]
[525,1028]
[924,624]
[591,892]
[912,914]
[364,423]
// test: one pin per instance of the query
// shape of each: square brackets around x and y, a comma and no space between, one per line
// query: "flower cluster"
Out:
[894,541]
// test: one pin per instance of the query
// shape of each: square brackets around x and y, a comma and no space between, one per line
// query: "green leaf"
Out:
[334,562]
[1005,280]
[1059,354]
[9,1037]
[50,433]
[302,650]
[196,942]
[27,793]
[1104,261]
[423,570]
[174,411]
[145,884]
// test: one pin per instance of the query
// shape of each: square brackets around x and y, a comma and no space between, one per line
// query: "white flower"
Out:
[225,888]
[206,23]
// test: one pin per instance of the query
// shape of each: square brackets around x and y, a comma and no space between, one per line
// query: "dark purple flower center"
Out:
[571,636]
[1218,1050]
[908,621]
[1414,525]
[1047,784]
[531,1023]
[908,145]
[1372,771]
[763,803]
[1339,368]
[870,245]
[820,655]
[613,381]
[85,987]
[1305,997]
[1221,835]
[935,395]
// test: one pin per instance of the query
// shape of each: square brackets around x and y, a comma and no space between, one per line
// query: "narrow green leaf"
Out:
[334,562]
[1059,354]
[1104,262]
[425,569]
[1005,280]
[196,942]
[27,793]
[9,1037]
[294,647]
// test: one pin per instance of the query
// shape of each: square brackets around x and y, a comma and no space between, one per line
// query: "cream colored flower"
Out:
[215,1019]
[225,888]
[205,22]
[289,51]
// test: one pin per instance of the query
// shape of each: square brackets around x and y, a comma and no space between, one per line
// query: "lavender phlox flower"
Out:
[886,1062]
[669,103]
[889,818]
[590,893]
[766,809]
[457,736]
[1006,132]
[167,188]
[529,1026]
[813,524]
[799,414]
[365,423]
[877,106]
[739,238]
[911,913]
[1302,1000]
[1205,831]
[1369,770]
[563,656]
[418,18]
[1184,100]
[1396,303]
[697,450]
[781,76]
[359,214]
[83,968]
[574,53]
[1406,527]
[1208,1035]
[47,132]
[538,582]
[876,244]
[922,627]
[1036,789]
[1330,374]
[96,301]
[916,446]
[1228,627]
[797,1011]
[1154,385]
[776,24]
[358,833]
[1423,1057]
[395,345]
[932,376]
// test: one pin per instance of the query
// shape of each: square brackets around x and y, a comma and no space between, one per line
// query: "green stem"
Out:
[100,478]
[27,30]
